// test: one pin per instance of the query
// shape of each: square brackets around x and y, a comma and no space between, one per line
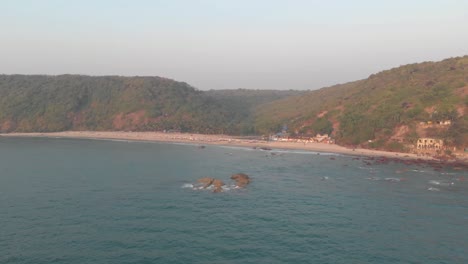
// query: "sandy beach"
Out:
[201,139]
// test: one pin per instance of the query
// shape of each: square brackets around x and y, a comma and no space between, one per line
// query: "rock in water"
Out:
[241,179]
[206,182]
[218,185]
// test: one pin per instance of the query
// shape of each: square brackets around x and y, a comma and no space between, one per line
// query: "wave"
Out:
[187,185]
[366,168]
[393,179]
[390,179]
[441,183]
[198,187]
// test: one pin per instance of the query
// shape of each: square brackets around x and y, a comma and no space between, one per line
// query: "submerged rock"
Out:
[241,179]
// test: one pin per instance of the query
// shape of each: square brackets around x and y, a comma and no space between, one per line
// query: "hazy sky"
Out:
[227,44]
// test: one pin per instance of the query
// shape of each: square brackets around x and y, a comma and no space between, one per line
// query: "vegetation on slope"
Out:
[383,111]
[242,104]
[74,102]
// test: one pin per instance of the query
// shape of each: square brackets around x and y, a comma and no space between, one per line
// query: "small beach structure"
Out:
[429,144]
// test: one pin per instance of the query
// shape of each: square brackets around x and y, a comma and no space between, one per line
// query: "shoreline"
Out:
[224,140]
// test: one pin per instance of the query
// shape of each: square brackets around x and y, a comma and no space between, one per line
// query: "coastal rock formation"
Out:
[241,179]
[218,185]
[206,182]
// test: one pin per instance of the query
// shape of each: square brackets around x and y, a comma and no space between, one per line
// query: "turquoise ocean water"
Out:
[94,201]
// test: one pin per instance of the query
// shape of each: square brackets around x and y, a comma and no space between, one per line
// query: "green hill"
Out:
[39,103]
[386,110]
[74,102]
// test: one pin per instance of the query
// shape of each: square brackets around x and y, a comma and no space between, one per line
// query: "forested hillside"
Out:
[74,102]
[386,110]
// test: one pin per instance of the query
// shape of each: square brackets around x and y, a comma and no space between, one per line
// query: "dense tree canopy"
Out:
[75,102]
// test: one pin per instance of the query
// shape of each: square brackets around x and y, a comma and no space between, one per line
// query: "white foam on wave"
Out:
[373,179]
[388,179]
[441,183]
[393,179]
[433,189]
[433,182]
[447,173]
[194,187]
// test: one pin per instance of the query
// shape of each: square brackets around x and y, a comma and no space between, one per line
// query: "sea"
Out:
[101,201]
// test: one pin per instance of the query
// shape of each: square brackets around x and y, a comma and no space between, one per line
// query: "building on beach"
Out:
[429,144]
